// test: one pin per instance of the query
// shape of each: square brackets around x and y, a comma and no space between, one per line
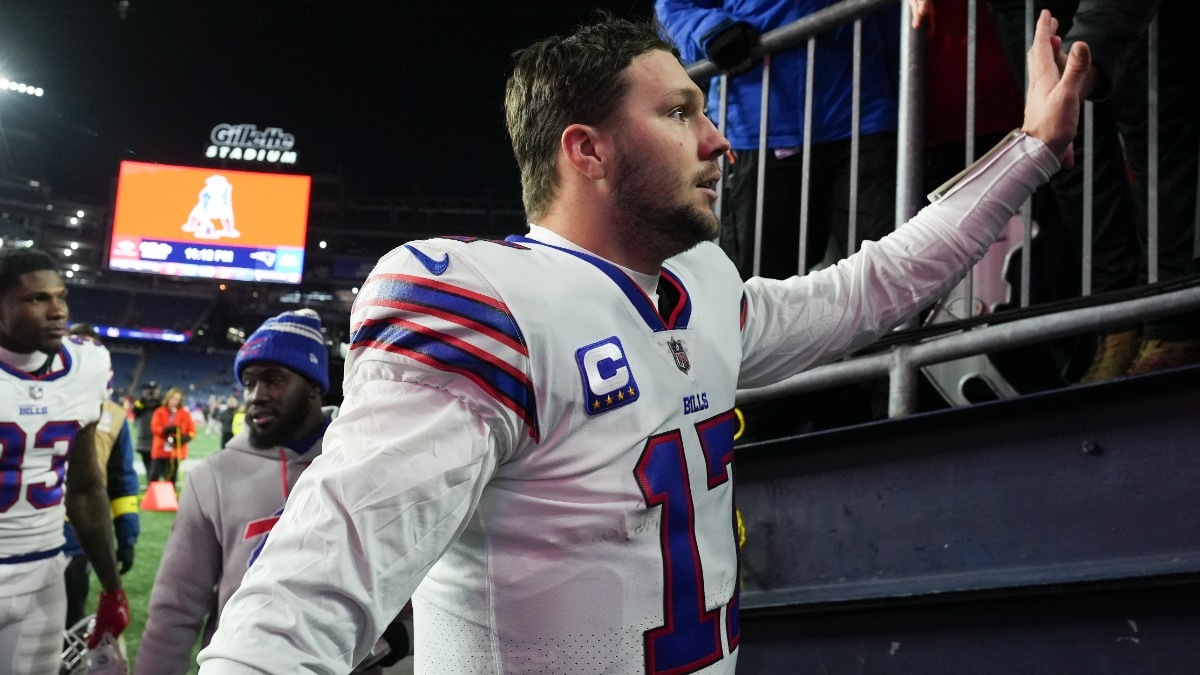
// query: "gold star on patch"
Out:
[631,391]
[608,400]
[595,405]
[620,396]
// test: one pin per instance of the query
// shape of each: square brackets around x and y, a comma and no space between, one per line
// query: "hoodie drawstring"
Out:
[283,471]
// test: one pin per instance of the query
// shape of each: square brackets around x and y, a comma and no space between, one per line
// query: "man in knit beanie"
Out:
[233,498]
[292,341]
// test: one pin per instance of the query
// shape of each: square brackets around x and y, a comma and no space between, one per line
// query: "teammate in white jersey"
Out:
[51,386]
[536,439]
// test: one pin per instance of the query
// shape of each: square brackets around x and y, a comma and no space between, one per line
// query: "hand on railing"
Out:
[1056,88]
[730,48]
[923,12]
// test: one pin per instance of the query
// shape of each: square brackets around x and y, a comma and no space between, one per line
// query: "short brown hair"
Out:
[558,82]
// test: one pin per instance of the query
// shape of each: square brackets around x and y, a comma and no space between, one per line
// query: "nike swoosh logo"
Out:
[435,267]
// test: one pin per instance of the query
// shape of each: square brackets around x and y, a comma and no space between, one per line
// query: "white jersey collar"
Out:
[647,282]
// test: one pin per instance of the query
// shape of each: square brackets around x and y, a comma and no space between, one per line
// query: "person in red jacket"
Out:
[173,429]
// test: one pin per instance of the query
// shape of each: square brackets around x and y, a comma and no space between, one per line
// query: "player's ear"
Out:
[585,149]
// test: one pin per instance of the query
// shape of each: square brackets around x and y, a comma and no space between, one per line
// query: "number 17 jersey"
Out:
[605,540]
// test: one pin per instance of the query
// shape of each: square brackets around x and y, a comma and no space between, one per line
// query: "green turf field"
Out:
[156,526]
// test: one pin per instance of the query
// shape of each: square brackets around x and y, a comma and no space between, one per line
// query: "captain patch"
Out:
[607,379]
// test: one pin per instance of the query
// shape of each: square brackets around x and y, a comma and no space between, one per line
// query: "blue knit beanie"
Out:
[293,340]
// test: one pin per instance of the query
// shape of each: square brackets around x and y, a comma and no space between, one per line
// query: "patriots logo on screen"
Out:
[679,353]
[265,257]
[608,381]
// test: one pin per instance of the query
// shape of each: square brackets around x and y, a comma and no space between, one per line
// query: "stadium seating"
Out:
[125,362]
[98,306]
[172,312]
[199,373]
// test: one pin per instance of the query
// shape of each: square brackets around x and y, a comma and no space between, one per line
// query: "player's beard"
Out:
[282,430]
[667,229]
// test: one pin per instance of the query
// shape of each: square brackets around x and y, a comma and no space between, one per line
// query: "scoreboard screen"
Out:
[210,223]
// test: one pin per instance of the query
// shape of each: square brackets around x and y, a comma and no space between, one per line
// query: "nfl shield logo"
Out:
[680,354]
[35,391]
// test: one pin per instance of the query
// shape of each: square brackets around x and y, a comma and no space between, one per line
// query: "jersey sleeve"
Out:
[791,325]
[123,485]
[446,328]
[401,473]
[96,365]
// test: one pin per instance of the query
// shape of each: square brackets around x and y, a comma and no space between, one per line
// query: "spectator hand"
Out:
[922,10]
[125,558]
[1056,86]
[730,48]
[112,616]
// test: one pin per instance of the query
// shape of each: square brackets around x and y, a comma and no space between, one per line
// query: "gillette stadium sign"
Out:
[247,142]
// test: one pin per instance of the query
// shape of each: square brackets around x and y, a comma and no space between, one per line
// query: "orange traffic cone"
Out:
[160,496]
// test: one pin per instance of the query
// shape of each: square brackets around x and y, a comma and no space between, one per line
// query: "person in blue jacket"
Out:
[114,452]
[724,31]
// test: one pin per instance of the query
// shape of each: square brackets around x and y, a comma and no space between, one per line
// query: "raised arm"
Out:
[794,324]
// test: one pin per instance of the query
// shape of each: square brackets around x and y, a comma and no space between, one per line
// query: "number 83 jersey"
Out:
[40,417]
[605,539]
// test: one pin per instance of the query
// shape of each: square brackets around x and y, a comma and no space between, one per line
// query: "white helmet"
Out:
[108,658]
[75,651]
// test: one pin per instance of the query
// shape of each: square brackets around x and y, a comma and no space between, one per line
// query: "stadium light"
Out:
[79,214]
[20,87]
[74,246]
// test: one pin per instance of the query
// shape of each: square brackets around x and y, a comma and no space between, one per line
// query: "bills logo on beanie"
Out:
[292,340]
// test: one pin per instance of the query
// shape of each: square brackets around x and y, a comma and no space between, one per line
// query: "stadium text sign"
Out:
[246,142]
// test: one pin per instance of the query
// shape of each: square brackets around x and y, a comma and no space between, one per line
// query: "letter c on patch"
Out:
[606,358]
[608,381]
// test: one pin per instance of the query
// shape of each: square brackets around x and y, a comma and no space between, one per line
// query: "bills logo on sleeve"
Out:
[607,379]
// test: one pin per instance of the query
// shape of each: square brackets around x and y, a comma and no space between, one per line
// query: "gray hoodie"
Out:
[229,502]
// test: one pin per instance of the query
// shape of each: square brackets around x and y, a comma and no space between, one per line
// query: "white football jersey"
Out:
[605,538]
[39,419]
[542,459]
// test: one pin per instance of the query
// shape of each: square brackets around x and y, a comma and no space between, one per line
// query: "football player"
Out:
[232,499]
[52,384]
[536,441]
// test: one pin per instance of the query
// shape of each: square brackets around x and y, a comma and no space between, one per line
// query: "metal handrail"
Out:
[902,361]
[798,32]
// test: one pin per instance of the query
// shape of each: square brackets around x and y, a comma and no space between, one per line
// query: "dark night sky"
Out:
[405,96]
